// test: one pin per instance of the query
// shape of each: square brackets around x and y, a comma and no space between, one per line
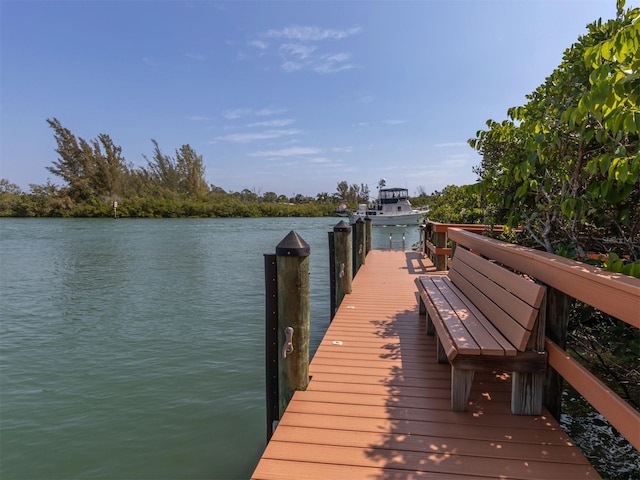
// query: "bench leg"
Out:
[461,381]
[526,393]
[441,354]
[422,310]
[431,330]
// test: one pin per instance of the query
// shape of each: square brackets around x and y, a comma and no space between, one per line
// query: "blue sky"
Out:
[282,96]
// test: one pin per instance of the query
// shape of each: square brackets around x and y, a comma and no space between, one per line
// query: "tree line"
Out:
[95,174]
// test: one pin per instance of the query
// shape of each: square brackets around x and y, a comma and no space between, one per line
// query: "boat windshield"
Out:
[393,194]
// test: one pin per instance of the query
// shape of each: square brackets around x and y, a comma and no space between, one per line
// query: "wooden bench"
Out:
[487,318]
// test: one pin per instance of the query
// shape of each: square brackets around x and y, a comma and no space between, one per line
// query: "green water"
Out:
[134,349]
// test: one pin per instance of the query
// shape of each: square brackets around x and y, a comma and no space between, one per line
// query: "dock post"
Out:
[368,229]
[343,262]
[292,263]
[358,245]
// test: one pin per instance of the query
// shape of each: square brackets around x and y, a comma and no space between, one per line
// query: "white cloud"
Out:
[394,122]
[195,56]
[451,144]
[342,149]
[236,113]
[320,160]
[297,50]
[458,160]
[292,66]
[252,137]
[244,112]
[287,152]
[265,112]
[197,118]
[150,62]
[312,33]
[299,47]
[283,122]
[259,44]
[333,63]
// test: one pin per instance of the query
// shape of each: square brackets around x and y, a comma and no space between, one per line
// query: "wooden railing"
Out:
[434,239]
[612,293]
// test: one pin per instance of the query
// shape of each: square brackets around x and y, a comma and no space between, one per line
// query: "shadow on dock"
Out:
[425,438]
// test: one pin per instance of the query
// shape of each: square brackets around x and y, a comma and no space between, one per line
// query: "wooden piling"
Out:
[292,260]
[343,273]
[358,245]
[368,232]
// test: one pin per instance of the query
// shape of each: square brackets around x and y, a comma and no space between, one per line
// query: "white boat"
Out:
[391,208]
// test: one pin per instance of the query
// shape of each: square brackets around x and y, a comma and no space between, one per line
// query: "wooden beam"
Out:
[618,412]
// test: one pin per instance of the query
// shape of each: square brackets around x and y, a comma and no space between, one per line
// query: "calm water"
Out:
[134,349]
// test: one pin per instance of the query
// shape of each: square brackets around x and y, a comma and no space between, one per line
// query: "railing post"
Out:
[440,241]
[423,240]
[368,228]
[556,329]
[292,261]
[358,245]
[271,341]
[343,273]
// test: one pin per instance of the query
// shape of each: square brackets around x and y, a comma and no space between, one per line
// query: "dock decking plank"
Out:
[378,404]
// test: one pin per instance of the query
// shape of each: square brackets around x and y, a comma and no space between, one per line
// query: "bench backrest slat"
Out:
[498,293]
[524,289]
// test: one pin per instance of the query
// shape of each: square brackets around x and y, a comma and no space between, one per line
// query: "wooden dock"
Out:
[378,403]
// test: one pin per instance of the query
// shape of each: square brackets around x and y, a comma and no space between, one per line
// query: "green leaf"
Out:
[632,269]
[630,123]
[567,207]
[522,190]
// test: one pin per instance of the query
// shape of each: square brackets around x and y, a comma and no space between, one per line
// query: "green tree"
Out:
[89,168]
[161,170]
[7,187]
[191,169]
[183,174]
[343,191]
[455,204]
[566,165]
[270,197]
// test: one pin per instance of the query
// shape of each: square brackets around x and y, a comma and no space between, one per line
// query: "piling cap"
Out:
[293,245]
[359,220]
[342,226]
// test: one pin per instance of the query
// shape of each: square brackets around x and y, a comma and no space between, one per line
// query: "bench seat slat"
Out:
[472,320]
[512,330]
[455,329]
[507,348]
